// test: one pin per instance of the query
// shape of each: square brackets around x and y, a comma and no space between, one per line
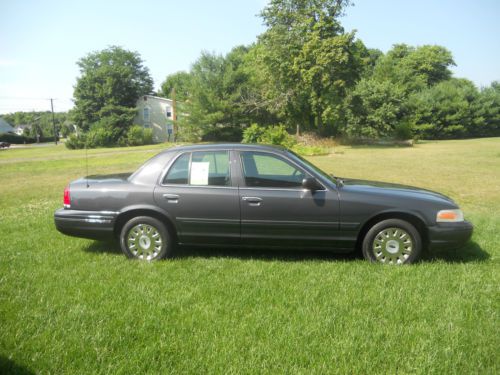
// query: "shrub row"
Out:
[104,137]
[271,135]
[21,139]
[278,135]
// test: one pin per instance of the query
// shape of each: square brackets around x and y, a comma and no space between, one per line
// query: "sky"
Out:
[41,41]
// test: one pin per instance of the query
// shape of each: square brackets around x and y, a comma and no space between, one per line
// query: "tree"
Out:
[446,110]
[396,92]
[328,67]
[375,109]
[488,108]
[181,82]
[215,101]
[415,68]
[306,71]
[40,122]
[110,83]
[310,60]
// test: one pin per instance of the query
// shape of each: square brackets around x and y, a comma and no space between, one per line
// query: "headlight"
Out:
[449,216]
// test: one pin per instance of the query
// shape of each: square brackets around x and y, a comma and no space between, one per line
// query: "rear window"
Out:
[179,171]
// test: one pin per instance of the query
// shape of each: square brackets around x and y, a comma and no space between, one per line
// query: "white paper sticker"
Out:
[199,173]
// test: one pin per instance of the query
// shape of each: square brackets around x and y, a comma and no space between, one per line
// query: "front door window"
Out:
[266,170]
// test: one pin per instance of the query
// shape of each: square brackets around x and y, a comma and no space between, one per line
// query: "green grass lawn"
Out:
[71,305]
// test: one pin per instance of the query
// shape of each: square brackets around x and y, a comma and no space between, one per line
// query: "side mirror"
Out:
[310,183]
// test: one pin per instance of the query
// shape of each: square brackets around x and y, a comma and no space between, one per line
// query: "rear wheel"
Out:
[146,238]
[392,241]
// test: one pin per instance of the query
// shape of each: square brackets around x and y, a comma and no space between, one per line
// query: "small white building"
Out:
[158,114]
[19,129]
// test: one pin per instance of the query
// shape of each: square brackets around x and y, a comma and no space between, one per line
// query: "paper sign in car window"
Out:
[199,173]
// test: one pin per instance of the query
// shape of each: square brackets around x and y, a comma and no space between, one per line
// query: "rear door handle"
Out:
[252,201]
[171,198]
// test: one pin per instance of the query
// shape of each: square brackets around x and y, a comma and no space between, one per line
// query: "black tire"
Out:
[143,243]
[392,241]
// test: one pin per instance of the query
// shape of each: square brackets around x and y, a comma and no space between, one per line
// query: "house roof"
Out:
[5,126]
[156,98]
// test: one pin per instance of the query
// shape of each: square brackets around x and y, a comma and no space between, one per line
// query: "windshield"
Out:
[329,177]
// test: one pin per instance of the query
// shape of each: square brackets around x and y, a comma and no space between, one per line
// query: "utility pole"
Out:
[174,113]
[53,120]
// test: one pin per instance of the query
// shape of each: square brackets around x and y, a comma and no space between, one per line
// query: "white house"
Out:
[19,129]
[158,114]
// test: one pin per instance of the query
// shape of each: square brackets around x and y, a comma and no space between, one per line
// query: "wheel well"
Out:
[122,219]
[414,220]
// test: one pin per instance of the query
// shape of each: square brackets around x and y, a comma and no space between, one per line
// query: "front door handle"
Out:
[252,201]
[171,198]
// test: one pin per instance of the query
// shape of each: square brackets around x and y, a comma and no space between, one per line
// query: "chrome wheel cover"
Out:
[144,241]
[392,246]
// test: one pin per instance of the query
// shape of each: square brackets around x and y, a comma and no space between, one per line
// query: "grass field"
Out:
[76,306]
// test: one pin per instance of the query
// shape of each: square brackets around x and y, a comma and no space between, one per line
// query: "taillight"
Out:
[67,197]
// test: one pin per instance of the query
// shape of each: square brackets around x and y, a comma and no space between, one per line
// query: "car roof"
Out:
[227,146]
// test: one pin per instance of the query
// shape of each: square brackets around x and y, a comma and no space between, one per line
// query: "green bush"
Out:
[13,138]
[75,142]
[97,136]
[253,134]
[138,136]
[273,135]
[22,139]
[223,134]
[100,136]
[403,131]
[277,135]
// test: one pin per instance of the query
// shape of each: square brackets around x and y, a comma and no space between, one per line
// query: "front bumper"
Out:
[86,224]
[449,235]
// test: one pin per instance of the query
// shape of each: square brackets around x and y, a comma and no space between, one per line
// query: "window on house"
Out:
[168,112]
[145,114]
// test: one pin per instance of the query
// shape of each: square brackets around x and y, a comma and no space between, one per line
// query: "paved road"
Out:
[45,144]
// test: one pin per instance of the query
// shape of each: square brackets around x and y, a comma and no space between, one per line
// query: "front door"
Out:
[276,210]
[197,192]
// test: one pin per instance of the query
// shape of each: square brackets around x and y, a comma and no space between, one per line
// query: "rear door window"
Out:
[207,168]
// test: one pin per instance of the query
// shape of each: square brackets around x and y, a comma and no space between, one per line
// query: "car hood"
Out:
[386,188]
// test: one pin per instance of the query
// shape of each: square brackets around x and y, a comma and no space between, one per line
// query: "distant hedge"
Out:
[21,139]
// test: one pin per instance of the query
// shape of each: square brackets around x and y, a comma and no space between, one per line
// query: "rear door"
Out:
[276,210]
[198,192]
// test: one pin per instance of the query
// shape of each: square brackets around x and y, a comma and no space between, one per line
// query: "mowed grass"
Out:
[71,305]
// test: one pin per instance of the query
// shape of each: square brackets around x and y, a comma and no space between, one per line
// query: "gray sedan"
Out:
[257,196]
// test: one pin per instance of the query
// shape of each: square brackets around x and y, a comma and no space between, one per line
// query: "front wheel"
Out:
[392,241]
[146,238]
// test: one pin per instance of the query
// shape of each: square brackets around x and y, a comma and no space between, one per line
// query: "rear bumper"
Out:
[86,224]
[450,235]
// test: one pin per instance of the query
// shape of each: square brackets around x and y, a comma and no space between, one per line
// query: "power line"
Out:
[28,98]
[10,104]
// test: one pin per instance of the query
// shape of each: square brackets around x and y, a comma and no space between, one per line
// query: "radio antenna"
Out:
[86,164]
